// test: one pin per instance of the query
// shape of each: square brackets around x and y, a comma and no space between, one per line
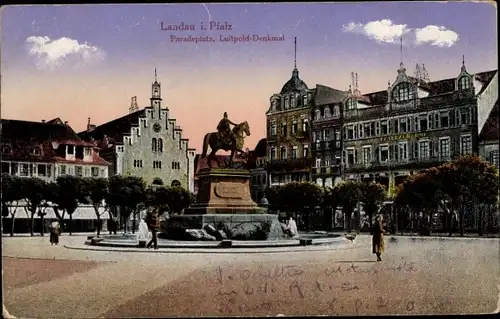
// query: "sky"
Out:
[81,61]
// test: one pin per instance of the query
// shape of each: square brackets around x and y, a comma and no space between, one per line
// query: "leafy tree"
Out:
[34,192]
[301,197]
[372,196]
[12,194]
[348,194]
[70,195]
[272,195]
[126,193]
[468,183]
[96,190]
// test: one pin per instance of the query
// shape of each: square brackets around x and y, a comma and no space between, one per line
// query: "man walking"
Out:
[153,221]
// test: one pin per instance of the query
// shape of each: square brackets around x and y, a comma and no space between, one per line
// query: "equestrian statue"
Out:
[226,139]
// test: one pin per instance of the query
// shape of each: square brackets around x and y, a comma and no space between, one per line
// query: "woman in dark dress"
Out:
[378,244]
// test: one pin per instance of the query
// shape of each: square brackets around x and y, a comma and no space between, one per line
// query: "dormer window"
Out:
[464,83]
[37,151]
[287,102]
[351,104]
[336,110]
[317,114]
[305,99]
[6,149]
[70,150]
[403,92]
[88,151]
[273,105]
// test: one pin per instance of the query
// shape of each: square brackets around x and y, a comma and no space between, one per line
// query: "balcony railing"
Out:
[384,165]
[326,145]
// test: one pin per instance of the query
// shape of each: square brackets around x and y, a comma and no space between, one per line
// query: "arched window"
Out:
[336,110]
[37,151]
[175,183]
[160,145]
[403,92]
[153,144]
[6,149]
[157,181]
[464,83]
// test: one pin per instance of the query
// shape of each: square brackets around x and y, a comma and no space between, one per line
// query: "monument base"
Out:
[234,226]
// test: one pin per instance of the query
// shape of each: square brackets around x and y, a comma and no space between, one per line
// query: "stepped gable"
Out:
[326,95]
[115,129]
[21,138]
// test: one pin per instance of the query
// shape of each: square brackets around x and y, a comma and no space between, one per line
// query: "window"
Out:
[350,132]
[86,172]
[88,151]
[327,112]
[317,114]
[287,102]
[145,124]
[292,99]
[283,153]
[416,125]
[305,99]
[305,150]
[351,159]
[283,128]
[295,127]
[304,125]
[377,128]
[444,119]
[430,122]
[37,151]
[367,150]
[95,171]
[402,151]
[493,158]
[157,165]
[355,131]
[326,134]
[24,170]
[295,152]
[42,170]
[465,116]
[138,163]
[403,125]
[272,154]
[465,144]
[384,128]
[62,168]
[423,150]
[327,161]
[367,129]
[318,162]
[273,129]
[403,92]
[437,121]
[360,130]
[153,144]
[351,104]
[6,149]
[78,171]
[384,153]
[464,83]
[423,122]
[160,145]
[71,149]
[444,148]
[336,111]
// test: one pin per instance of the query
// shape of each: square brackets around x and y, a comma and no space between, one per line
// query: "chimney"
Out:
[43,121]
[65,122]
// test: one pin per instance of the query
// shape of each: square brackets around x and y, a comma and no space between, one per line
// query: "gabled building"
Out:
[48,150]
[146,143]
[257,163]
[414,125]
[489,138]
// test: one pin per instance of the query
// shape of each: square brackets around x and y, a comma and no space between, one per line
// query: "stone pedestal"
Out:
[224,191]
[224,202]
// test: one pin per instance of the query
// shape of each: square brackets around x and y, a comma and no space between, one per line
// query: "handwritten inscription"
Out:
[337,290]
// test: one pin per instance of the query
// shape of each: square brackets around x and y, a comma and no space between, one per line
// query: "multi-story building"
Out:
[48,150]
[288,132]
[327,135]
[413,125]
[488,138]
[146,143]
[257,165]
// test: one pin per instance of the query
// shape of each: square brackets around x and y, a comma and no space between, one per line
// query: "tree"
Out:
[70,195]
[348,195]
[12,194]
[372,196]
[301,197]
[272,195]
[126,193]
[96,190]
[468,183]
[34,192]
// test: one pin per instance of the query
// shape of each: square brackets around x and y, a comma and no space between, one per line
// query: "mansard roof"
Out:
[21,138]
[490,130]
[326,95]
[295,84]
[115,129]
[260,148]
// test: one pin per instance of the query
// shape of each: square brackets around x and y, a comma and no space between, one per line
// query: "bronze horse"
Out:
[215,141]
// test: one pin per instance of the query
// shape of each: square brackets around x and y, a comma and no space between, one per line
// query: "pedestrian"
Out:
[55,231]
[378,244]
[153,221]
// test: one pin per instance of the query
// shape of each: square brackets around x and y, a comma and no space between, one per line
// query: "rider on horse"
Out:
[224,128]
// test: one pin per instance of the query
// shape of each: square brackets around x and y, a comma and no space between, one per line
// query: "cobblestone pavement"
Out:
[415,277]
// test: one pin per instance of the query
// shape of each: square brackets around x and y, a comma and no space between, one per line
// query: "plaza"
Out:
[418,275]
